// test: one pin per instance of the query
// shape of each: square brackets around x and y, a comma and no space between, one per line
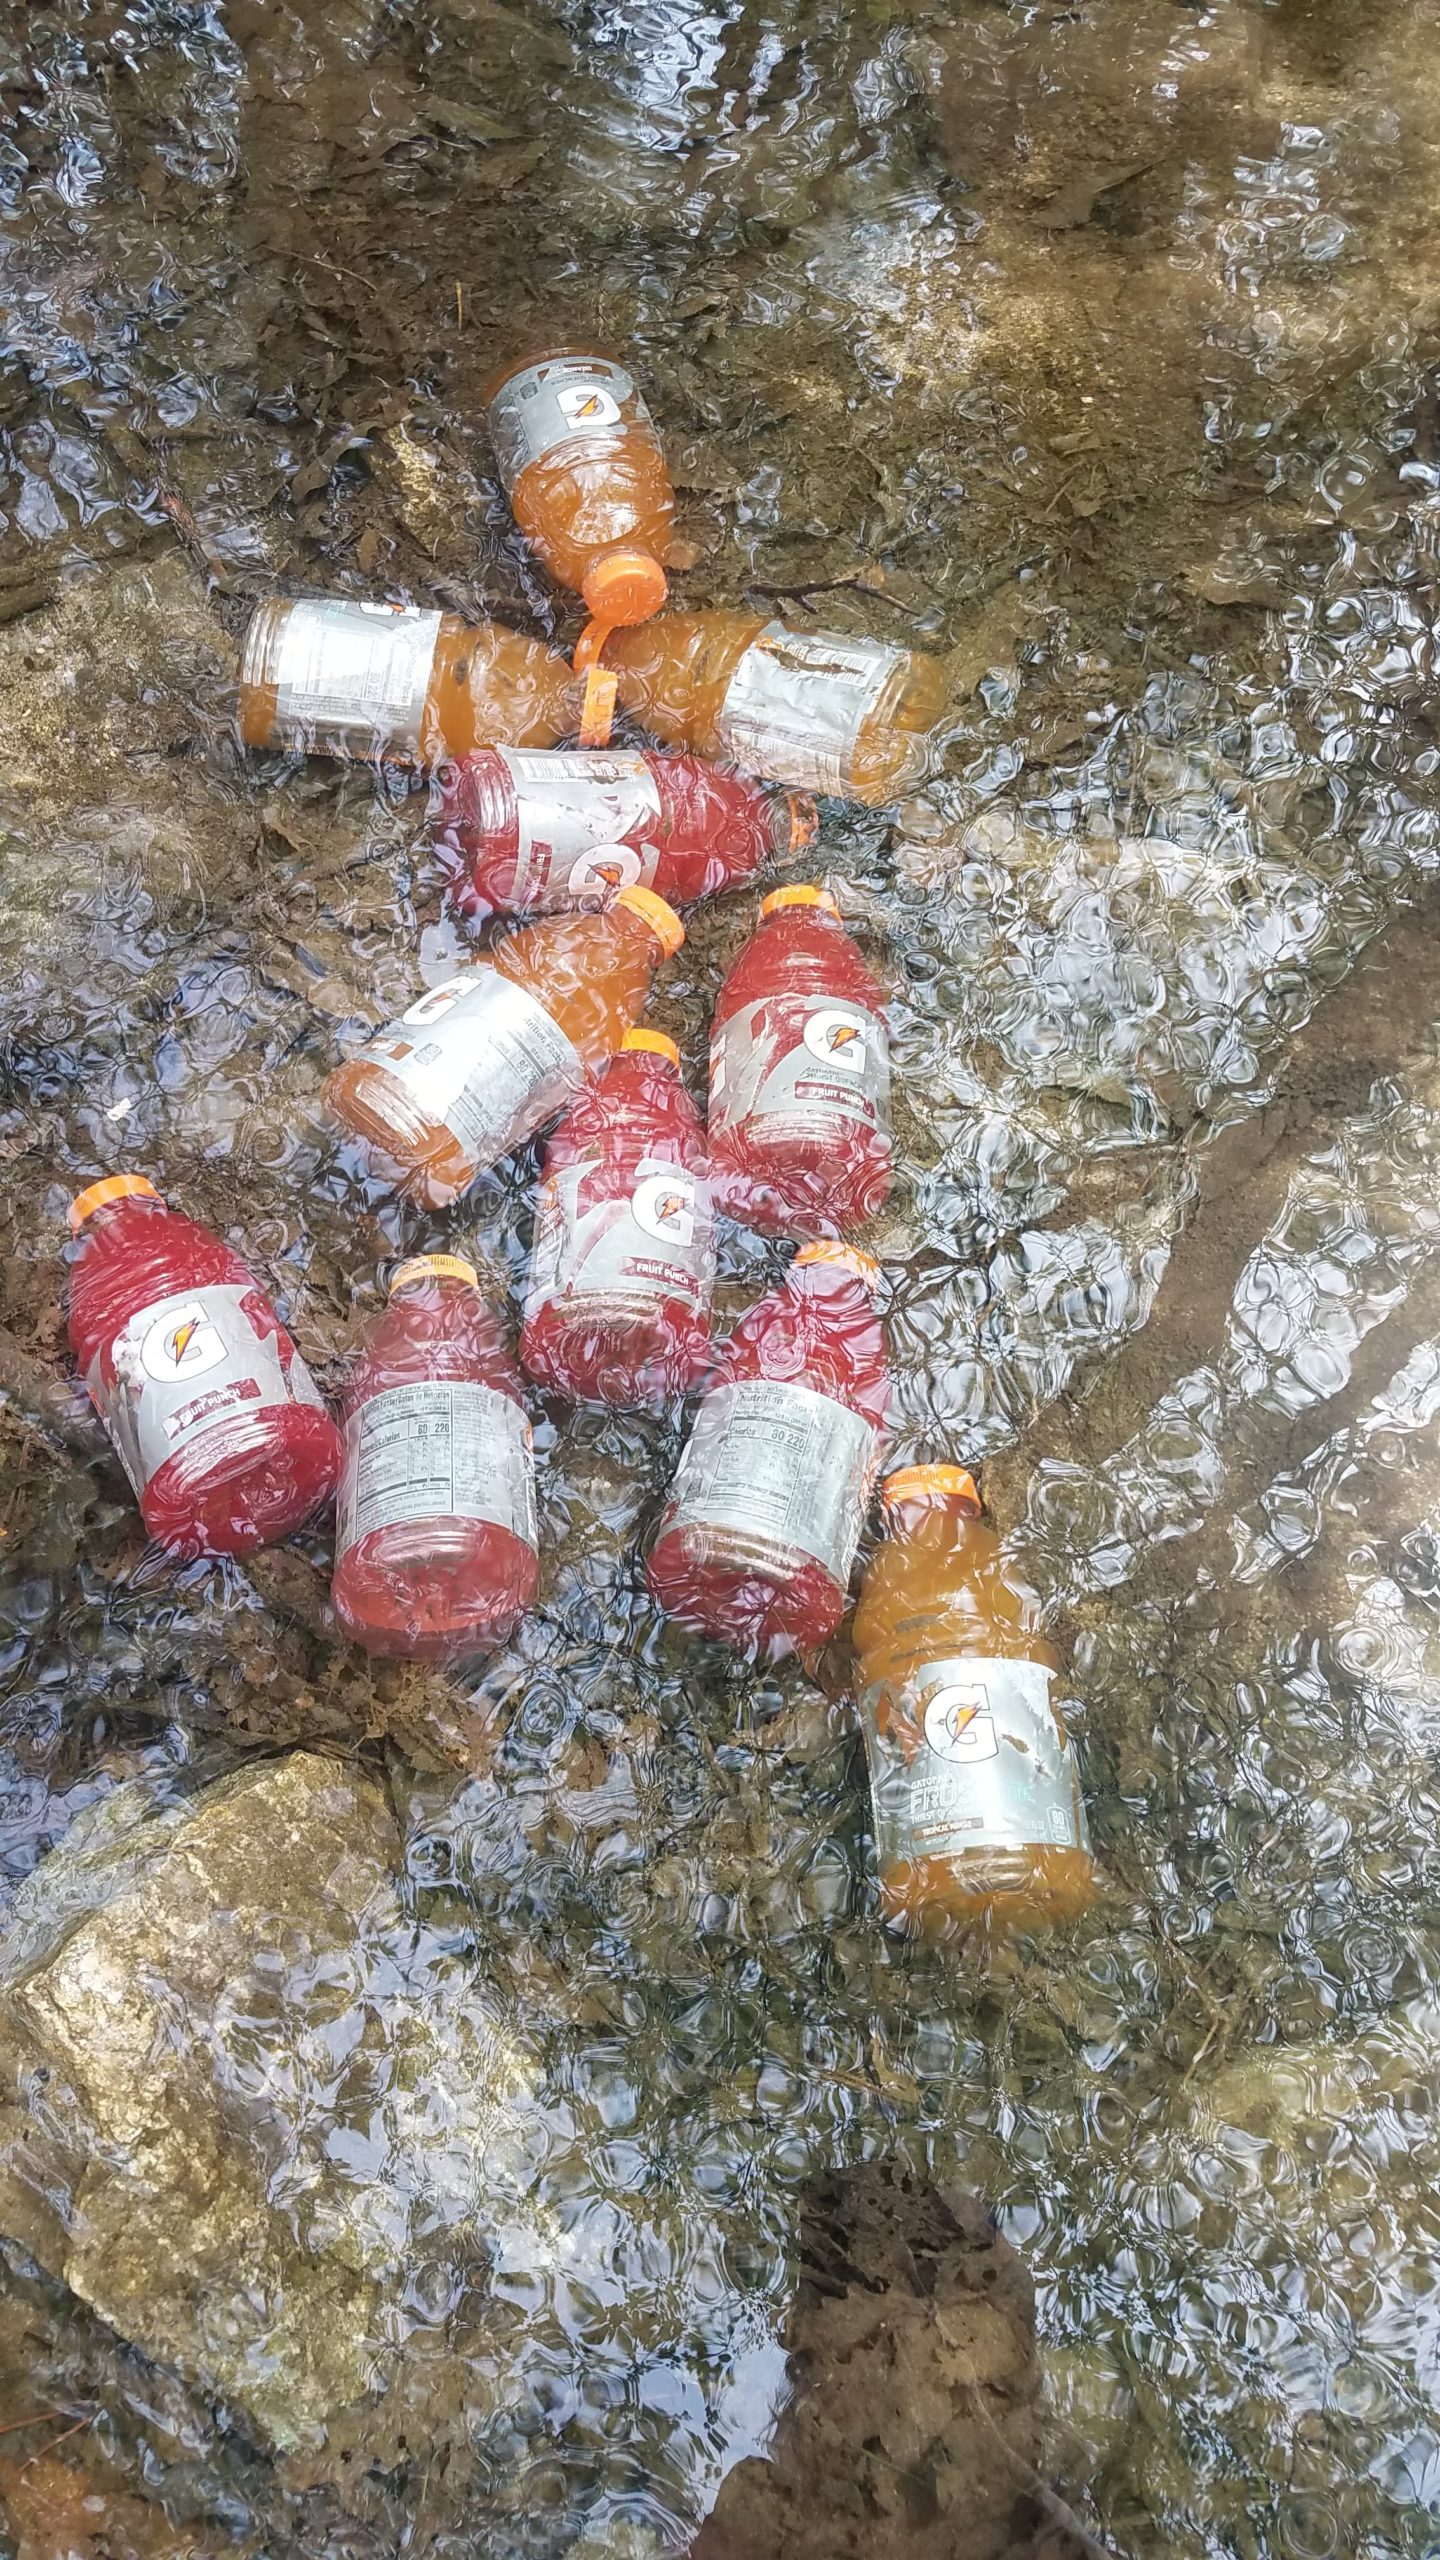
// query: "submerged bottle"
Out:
[759,1534]
[435,1539]
[800,1075]
[338,678]
[215,1418]
[475,1067]
[518,830]
[977,1805]
[618,1307]
[804,708]
[583,468]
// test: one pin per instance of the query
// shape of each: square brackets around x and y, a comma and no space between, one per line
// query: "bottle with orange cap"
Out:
[337,677]
[759,1534]
[215,1418]
[800,1075]
[623,1267]
[475,1067]
[435,1537]
[583,469]
[977,1809]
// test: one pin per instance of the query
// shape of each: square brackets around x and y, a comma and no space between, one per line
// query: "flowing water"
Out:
[1094,344]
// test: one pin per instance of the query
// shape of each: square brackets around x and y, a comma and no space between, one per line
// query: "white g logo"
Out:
[183,1344]
[605,866]
[838,1039]
[436,1000]
[956,1725]
[663,1206]
[588,404]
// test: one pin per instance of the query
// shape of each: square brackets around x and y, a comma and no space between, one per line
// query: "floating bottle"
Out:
[338,678]
[435,1537]
[521,830]
[618,1306]
[215,1418]
[977,1805]
[804,708]
[759,1534]
[800,1075]
[475,1067]
[583,469]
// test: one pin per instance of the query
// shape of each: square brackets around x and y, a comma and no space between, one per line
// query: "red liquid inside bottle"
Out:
[759,1534]
[528,831]
[618,1307]
[435,1547]
[800,1076]
[217,1422]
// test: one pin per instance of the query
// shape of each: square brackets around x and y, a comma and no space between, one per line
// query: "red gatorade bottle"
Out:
[435,1541]
[216,1419]
[800,1075]
[760,1531]
[520,829]
[618,1307]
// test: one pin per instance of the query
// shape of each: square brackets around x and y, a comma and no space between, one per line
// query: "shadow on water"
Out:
[1095,346]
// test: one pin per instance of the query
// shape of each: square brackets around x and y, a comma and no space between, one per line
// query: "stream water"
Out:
[1094,344]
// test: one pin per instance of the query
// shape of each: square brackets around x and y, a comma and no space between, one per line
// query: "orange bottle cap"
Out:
[664,923]
[948,1484]
[659,1044]
[116,1186]
[850,1258]
[804,820]
[798,897]
[623,587]
[433,1266]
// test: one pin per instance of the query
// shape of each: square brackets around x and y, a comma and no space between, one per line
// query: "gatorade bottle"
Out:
[342,679]
[800,1075]
[977,1807]
[760,1531]
[478,1065]
[582,467]
[435,1539]
[216,1420]
[618,1307]
[805,708]
[523,830]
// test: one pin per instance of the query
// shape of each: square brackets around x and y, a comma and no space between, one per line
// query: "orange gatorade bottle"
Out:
[338,678]
[977,1805]
[584,472]
[804,708]
[478,1065]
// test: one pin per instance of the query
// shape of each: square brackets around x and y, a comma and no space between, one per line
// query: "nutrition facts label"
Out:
[355,675]
[780,1463]
[437,1452]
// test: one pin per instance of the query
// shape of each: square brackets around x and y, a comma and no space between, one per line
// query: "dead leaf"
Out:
[469,124]
[1073,205]
[1212,582]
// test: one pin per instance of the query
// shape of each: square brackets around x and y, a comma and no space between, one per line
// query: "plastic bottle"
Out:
[339,678]
[618,1307]
[435,1542]
[475,1067]
[800,1075]
[759,1534]
[215,1418]
[583,469]
[519,830]
[804,708]
[977,1806]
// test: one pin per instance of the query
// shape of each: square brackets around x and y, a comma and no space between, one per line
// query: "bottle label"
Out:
[779,1463]
[800,1057]
[588,825]
[481,1056]
[188,1362]
[797,702]
[436,1452]
[966,1754]
[354,676]
[553,403]
[652,1241]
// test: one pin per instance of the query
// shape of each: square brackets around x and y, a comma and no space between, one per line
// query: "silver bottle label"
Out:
[800,1058]
[436,1452]
[966,1754]
[203,1357]
[353,676]
[797,702]
[482,1057]
[588,825]
[651,1242]
[556,402]
[781,1463]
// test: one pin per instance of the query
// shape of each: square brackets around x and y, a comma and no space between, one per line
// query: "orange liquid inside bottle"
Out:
[584,471]
[977,1810]
[340,678]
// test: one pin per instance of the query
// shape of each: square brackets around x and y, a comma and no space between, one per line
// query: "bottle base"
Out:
[820,1193]
[418,1156]
[236,1490]
[789,1606]
[417,1593]
[1001,1890]
[626,1364]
